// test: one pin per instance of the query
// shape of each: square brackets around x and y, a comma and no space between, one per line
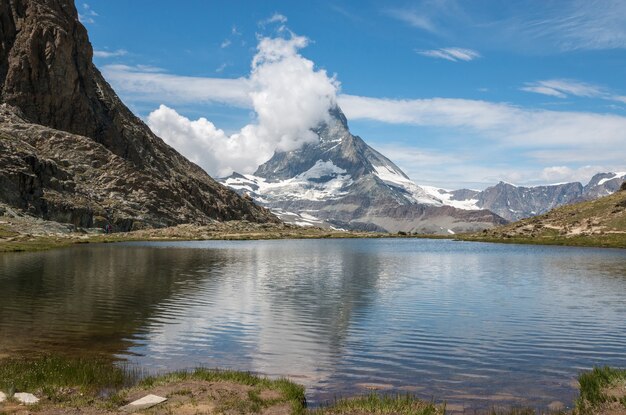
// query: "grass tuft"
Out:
[382,404]
[593,385]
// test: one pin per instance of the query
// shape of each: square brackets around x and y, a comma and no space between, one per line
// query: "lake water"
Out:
[466,322]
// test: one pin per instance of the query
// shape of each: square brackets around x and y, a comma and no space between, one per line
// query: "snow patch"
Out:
[446,198]
[414,193]
[309,185]
[618,175]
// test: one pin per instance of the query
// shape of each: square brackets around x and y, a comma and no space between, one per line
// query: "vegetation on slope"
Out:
[601,222]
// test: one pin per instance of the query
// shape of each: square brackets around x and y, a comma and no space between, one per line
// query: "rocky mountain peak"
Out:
[340,180]
[110,156]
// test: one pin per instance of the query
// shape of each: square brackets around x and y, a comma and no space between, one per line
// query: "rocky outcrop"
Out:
[72,151]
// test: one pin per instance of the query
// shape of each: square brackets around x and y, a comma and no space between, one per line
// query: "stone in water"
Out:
[147,401]
[26,398]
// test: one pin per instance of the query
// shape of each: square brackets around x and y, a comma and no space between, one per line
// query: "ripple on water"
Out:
[469,323]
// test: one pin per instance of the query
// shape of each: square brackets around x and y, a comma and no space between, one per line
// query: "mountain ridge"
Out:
[514,202]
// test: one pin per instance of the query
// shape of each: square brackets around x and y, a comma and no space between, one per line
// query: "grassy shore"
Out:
[596,223]
[13,241]
[90,386]
[590,241]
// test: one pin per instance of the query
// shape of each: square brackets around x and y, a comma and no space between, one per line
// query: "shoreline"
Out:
[33,243]
[94,387]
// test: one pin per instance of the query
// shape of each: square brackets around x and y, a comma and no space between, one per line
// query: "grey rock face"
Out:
[517,202]
[343,182]
[72,151]
[603,184]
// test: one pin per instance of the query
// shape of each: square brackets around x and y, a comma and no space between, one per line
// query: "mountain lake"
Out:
[470,323]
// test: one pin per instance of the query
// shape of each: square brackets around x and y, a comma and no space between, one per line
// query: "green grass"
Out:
[382,404]
[59,372]
[593,385]
[66,381]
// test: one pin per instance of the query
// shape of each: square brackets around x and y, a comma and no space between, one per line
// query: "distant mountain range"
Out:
[342,182]
[517,202]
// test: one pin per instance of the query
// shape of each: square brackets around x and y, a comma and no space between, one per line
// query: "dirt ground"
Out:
[184,398]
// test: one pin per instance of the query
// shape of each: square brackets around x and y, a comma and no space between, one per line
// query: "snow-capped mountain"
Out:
[517,202]
[341,181]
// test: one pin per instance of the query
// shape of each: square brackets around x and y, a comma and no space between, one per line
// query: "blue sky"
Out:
[457,93]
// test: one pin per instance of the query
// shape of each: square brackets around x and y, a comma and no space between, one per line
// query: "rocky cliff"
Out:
[72,151]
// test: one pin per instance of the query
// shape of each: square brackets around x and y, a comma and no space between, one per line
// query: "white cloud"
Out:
[451,54]
[289,97]
[109,53]
[226,43]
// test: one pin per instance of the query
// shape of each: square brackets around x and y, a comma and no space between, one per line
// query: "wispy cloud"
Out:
[148,84]
[548,135]
[226,43]
[535,26]
[109,53]
[414,18]
[563,88]
[581,24]
[275,18]
[221,68]
[87,14]
[451,54]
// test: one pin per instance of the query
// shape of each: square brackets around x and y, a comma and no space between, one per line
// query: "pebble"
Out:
[26,398]
[3,396]
[147,401]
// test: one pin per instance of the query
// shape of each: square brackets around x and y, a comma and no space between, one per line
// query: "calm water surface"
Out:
[464,322]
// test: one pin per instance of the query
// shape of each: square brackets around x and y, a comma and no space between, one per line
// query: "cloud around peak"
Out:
[289,97]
